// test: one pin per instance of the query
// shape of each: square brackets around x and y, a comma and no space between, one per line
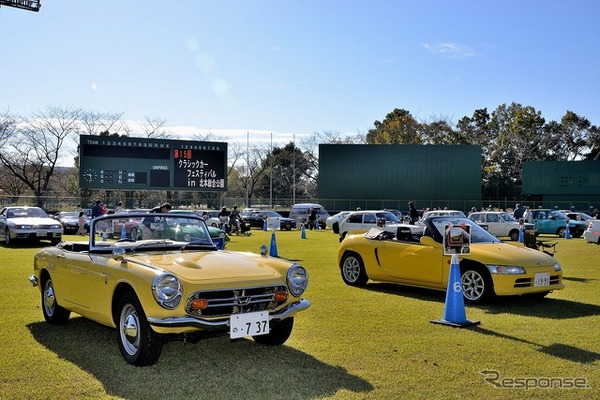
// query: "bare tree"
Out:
[32,147]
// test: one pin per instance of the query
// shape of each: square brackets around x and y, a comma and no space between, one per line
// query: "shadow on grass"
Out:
[215,367]
[559,350]
[517,305]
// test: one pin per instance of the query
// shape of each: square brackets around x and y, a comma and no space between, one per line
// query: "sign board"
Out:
[457,239]
[126,163]
[31,5]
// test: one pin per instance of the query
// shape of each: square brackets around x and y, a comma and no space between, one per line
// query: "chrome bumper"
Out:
[178,322]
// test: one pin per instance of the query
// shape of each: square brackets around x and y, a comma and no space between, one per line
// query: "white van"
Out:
[301,211]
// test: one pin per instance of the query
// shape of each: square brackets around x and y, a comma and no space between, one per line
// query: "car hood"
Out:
[214,265]
[507,254]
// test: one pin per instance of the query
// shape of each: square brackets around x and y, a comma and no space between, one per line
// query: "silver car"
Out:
[28,223]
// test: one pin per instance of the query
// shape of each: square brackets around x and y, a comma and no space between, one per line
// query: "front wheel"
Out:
[514,235]
[53,312]
[561,232]
[336,227]
[279,332]
[7,240]
[353,270]
[138,343]
[477,285]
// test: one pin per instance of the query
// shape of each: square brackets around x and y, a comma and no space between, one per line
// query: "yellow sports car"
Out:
[490,268]
[174,282]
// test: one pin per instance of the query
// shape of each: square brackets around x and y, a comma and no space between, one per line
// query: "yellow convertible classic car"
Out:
[172,283]
[492,268]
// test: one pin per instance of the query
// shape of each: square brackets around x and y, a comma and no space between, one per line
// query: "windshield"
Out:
[508,217]
[388,216]
[27,212]
[478,234]
[156,229]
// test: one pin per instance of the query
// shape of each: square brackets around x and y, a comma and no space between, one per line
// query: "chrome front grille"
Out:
[223,303]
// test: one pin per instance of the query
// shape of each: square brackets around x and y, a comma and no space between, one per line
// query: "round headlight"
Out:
[297,280]
[167,291]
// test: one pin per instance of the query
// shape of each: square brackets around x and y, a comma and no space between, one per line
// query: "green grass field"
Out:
[370,343]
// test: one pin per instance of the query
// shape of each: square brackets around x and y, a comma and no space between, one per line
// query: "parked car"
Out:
[333,222]
[500,223]
[554,222]
[216,234]
[492,268]
[28,223]
[211,217]
[361,221]
[301,211]
[70,221]
[577,216]
[128,223]
[257,219]
[174,285]
[592,233]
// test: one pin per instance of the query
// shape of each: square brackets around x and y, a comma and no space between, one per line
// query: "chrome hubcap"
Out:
[129,329]
[473,285]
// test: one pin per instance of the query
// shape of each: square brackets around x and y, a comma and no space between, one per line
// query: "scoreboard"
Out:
[126,163]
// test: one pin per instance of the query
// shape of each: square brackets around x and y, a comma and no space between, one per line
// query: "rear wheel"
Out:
[53,312]
[514,235]
[138,343]
[477,284]
[336,227]
[353,270]
[561,232]
[279,332]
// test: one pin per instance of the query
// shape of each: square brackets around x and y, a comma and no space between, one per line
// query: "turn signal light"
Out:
[280,296]
[199,304]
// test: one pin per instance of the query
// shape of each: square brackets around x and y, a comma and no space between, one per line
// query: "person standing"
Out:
[413,214]
[81,224]
[312,218]
[224,219]
[527,214]
[234,217]
[518,213]
[97,209]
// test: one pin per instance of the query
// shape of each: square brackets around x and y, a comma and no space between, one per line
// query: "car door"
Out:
[82,280]
[412,263]
[2,222]
[542,222]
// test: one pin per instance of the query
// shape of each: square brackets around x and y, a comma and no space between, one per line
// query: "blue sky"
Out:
[298,67]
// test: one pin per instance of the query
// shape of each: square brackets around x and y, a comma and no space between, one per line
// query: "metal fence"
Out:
[216,201]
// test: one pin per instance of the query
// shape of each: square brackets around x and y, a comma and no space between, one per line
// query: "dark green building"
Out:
[388,176]
[563,184]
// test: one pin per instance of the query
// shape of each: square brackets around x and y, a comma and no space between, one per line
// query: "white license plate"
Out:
[541,279]
[250,324]
[40,234]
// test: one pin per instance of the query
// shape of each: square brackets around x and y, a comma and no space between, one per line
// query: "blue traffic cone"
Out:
[303,234]
[123,232]
[265,225]
[454,309]
[273,248]
[568,233]
[522,235]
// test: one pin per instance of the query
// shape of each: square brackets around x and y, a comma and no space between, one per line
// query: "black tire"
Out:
[279,332]
[514,235]
[477,284]
[561,232]
[577,234]
[7,240]
[53,312]
[138,343]
[336,227]
[133,233]
[353,270]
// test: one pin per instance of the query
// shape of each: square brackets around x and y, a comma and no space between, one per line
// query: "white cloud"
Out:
[450,50]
